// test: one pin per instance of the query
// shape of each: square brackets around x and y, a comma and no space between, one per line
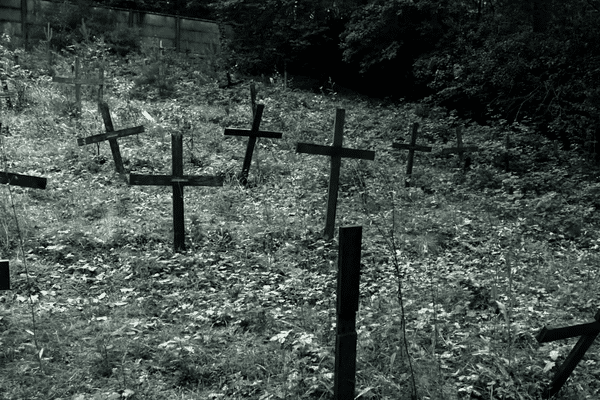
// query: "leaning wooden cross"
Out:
[412,147]
[336,152]
[178,181]
[588,333]
[253,134]
[78,81]
[111,135]
[460,149]
[348,281]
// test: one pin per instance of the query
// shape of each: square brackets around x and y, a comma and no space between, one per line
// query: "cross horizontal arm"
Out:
[333,151]
[22,180]
[460,149]
[246,132]
[110,135]
[550,335]
[411,147]
[76,81]
[168,180]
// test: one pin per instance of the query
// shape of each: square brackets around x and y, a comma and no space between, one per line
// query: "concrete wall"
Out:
[202,37]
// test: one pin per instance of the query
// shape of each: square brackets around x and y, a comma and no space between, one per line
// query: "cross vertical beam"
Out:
[78,81]
[336,152]
[348,281]
[460,149]
[4,275]
[588,333]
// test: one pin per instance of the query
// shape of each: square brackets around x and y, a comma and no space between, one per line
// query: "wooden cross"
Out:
[253,134]
[78,81]
[178,181]
[336,152]
[111,135]
[4,275]
[348,281]
[460,149]
[412,147]
[588,333]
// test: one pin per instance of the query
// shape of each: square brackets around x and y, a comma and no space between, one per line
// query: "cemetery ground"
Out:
[460,269]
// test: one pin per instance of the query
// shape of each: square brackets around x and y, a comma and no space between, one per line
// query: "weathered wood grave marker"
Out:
[588,333]
[412,147]
[6,92]
[78,81]
[336,152]
[111,135]
[460,149]
[348,281]
[253,134]
[178,181]
[4,275]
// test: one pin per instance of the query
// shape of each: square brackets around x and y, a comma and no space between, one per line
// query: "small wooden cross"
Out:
[336,152]
[253,134]
[78,81]
[412,147]
[460,149]
[178,181]
[111,135]
[4,275]
[348,282]
[588,333]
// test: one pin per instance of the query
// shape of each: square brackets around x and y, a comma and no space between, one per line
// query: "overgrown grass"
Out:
[478,262]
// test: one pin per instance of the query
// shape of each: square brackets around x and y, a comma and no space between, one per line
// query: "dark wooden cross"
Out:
[78,81]
[412,147]
[253,134]
[111,135]
[178,180]
[587,332]
[348,281]
[336,152]
[4,275]
[460,149]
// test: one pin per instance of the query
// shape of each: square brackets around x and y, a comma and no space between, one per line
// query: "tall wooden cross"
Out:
[412,147]
[177,180]
[4,275]
[111,135]
[336,152]
[253,134]
[587,332]
[78,81]
[460,149]
[348,281]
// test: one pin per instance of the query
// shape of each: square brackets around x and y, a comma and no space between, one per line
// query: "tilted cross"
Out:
[177,180]
[460,149]
[412,147]
[336,152]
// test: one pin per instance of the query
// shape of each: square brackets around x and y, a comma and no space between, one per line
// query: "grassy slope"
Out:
[249,311]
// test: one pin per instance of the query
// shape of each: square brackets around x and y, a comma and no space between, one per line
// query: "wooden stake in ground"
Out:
[4,275]
[460,149]
[336,152]
[588,333]
[252,134]
[111,135]
[347,305]
[78,81]
[178,181]
[412,147]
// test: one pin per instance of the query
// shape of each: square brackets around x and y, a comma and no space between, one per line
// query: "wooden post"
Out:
[177,180]
[588,333]
[78,81]
[336,152]
[347,305]
[460,149]
[252,134]
[4,275]
[111,135]
[412,147]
